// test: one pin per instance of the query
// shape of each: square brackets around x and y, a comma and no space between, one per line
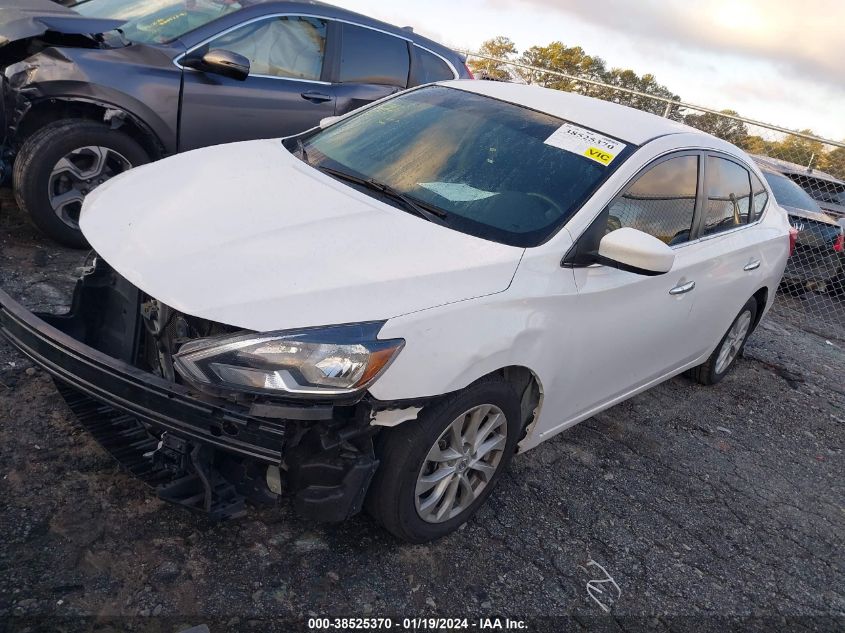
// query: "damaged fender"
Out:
[89,76]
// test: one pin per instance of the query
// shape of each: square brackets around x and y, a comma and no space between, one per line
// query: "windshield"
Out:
[788,194]
[490,165]
[157,21]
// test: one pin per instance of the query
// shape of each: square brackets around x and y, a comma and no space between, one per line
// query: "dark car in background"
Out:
[818,260]
[94,89]
[830,198]
[824,188]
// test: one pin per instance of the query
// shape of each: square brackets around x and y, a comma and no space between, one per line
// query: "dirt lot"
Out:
[698,502]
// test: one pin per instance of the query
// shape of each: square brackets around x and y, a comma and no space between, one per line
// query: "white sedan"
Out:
[381,311]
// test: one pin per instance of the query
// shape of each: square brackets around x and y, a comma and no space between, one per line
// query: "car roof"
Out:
[618,121]
[766,169]
[785,167]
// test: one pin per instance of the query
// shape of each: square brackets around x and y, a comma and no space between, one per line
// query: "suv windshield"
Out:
[788,194]
[483,162]
[157,21]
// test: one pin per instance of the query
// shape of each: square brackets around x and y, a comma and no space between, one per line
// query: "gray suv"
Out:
[91,90]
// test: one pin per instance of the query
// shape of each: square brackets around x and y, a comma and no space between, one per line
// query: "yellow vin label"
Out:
[583,142]
[599,155]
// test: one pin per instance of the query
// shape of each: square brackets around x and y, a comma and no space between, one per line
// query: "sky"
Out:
[778,61]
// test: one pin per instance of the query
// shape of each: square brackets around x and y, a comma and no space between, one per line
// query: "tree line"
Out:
[574,61]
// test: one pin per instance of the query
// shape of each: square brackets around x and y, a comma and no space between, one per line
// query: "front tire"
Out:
[63,162]
[729,348]
[437,470]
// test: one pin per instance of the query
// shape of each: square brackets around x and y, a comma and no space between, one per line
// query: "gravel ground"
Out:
[698,502]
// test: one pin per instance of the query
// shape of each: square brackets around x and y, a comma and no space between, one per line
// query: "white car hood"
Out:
[248,235]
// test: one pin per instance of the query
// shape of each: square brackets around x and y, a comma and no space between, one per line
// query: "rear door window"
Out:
[728,196]
[660,202]
[372,57]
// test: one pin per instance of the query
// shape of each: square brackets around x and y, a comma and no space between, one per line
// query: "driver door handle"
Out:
[316,97]
[754,264]
[682,288]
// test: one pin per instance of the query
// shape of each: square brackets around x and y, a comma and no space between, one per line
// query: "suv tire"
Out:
[78,140]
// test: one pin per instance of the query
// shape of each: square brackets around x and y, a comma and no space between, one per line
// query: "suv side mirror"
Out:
[224,63]
[635,251]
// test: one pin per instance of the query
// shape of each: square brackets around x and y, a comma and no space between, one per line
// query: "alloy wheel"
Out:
[77,174]
[461,463]
[733,342]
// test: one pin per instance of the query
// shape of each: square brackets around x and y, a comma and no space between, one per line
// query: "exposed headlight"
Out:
[327,361]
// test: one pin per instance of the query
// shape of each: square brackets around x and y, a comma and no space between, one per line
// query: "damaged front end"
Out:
[26,30]
[112,357]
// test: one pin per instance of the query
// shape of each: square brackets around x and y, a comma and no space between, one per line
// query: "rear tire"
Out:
[399,498]
[95,153]
[729,348]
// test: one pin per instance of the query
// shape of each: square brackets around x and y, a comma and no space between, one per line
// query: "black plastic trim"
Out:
[153,400]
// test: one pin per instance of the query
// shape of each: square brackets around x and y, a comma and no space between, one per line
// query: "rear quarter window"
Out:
[759,197]
[431,68]
[372,57]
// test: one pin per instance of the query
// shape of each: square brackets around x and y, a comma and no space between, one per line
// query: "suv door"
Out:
[372,64]
[641,322]
[285,93]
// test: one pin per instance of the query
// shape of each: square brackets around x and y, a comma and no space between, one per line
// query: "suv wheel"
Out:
[722,359]
[63,162]
[437,470]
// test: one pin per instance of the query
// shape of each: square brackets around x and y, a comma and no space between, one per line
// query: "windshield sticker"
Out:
[457,191]
[593,145]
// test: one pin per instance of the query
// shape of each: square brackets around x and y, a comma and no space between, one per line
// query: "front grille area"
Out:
[165,331]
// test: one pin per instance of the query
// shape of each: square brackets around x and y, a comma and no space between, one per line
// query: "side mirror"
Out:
[225,63]
[636,252]
[329,120]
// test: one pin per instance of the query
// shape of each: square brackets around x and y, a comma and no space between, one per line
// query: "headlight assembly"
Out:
[327,361]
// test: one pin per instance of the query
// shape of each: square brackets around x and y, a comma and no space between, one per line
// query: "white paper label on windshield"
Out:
[457,191]
[592,145]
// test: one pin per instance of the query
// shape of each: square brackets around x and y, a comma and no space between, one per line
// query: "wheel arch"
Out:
[762,298]
[46,111]
[525,381]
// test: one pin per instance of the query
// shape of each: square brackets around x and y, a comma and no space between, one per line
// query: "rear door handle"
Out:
[316,97]
[682,288]
[754,264]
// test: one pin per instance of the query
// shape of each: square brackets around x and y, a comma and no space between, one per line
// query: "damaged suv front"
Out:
[28,29]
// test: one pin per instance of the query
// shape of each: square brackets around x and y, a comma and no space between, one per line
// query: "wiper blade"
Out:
[423,210]
[300,146]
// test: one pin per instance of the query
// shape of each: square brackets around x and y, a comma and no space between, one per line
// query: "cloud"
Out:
[803,39]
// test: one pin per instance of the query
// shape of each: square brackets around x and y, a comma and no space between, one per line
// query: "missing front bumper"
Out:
[204,454]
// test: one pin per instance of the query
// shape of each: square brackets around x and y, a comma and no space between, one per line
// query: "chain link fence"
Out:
[805,172]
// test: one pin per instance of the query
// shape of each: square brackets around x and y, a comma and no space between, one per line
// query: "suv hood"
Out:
[25,19]
[250,236]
